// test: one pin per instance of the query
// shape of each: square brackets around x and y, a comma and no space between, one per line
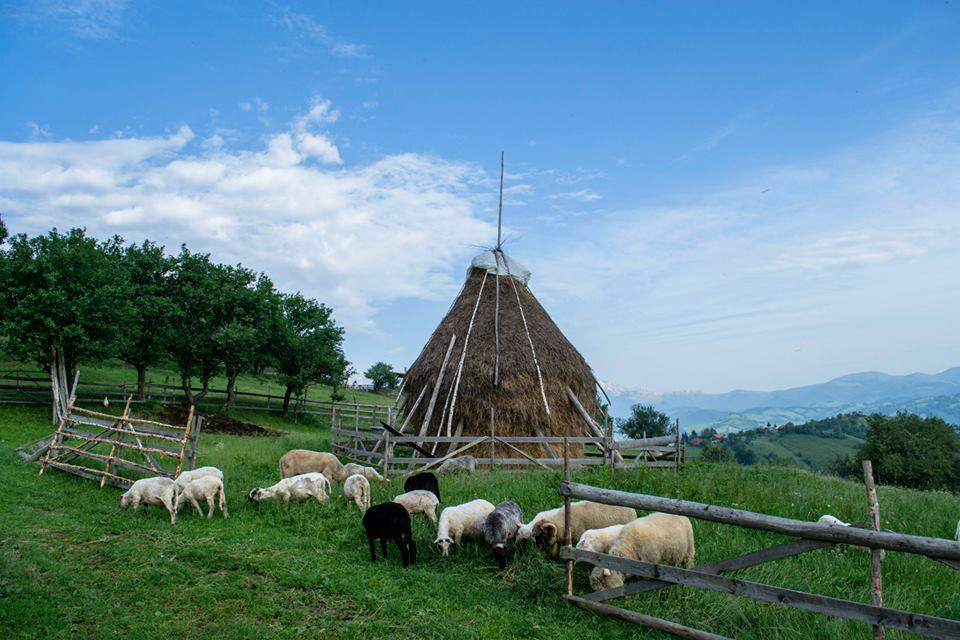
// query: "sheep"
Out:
[660,538]
[299,461]
[426,481]
[157,491]
[462,520]
[190,476]
[389,520]
[466,464]
[547,527]
[501,525]
[357,488]
[206,487]
[351,468]
[419,501]
[599,540]
[831,521]
[299,487]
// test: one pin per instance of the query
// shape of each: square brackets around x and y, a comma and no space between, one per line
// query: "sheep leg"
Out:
[196,505]
[432,515]
[168,503]
[373,548]
[404,553]
[383,546]
[411,548]
[210,505]
[223,503]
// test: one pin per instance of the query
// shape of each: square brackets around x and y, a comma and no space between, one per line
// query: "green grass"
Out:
[72,565]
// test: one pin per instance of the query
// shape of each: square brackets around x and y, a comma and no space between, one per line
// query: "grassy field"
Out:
[72,565]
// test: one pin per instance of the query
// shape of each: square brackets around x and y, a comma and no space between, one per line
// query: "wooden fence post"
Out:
[876,555]
[567,532]
[493,442]
[386,453]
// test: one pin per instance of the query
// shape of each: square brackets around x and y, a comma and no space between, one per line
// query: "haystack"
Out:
[497,358]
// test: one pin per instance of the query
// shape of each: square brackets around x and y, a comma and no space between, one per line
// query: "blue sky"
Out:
[709,195]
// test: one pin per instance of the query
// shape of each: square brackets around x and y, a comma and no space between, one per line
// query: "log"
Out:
[644,620]
[90,474]
[110,416]
[920,545]
[128,445]
[183,445]
[876,555]
[436,388]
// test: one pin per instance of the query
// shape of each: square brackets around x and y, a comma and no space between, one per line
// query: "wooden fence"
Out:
[809,536]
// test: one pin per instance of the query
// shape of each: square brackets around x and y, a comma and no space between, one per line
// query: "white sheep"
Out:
[832,521]
[206,488]
[462,520]
[158,491]
[357,488]
[599,540]
[300,487]
[419,501]
[547,527]
[190,476]
[300,461]
[462,464]
[660,538]
[352,468]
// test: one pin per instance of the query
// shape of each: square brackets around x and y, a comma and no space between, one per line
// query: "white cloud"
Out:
[581,195]
[307,34]
[38,130]
[85,19]
[357,237]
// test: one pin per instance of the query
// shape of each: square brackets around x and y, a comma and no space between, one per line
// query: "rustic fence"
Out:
[809,536]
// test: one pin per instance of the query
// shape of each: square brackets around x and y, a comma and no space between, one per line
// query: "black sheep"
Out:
[390,521]
[425,481]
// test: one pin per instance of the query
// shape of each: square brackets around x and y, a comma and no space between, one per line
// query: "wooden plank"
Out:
[110,416]
[643,443]
[128,445]
[448,456]
[90,474]
[921,545]
[643,619]
[931,626]
[114,461]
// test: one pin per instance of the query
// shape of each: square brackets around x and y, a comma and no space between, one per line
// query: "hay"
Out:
[517,400]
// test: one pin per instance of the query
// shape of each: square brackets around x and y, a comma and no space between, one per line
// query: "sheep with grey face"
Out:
[499,527]
[158,491]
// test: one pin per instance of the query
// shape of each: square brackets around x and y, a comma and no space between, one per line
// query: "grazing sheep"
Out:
[357,488]
[390,521]
[426,481]
[462,520]
[499,527]
[599,540]
[158,491]
[463,464]
[547,526]
[660,538]
[190,476]
[299,487]
[829,520]
[205,487]
[419,501]
[300,461]
[351,468]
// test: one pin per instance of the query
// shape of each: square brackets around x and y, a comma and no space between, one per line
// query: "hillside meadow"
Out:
[72,564]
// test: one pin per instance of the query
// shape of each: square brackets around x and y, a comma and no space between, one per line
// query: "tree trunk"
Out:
[142,381]
[187,392]
[286,400]
[231,387]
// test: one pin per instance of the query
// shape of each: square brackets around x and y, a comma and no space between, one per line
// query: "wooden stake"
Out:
[183,446]
[567,531]
[113,449]
[436,389]
[493,441]
[876,555]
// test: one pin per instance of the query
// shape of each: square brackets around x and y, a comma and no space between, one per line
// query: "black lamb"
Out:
[499,527]
[425,481]
[390,521]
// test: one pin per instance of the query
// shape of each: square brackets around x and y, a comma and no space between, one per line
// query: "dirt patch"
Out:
[218,423]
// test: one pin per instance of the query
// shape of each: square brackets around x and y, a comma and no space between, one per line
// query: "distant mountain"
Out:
[927,394]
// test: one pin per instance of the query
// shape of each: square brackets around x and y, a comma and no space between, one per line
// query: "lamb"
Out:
[660,538]
[462,520]
[299,461]
[300,487]
[547,526]
[499,527]
[352,468]
[831,521]
[158,491]
[389,520]
[426,481]
[190,476]
[419,501]
[357,488]
[465,464]
[205,487]
[599,540]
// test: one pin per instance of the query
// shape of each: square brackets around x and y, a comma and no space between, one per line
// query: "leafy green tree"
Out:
[910,451]
[308,346]
[148,327]
[64,291]
[644,419]
[716,453]
[382,376]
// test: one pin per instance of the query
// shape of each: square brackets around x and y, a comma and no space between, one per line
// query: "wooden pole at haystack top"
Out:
[500,213]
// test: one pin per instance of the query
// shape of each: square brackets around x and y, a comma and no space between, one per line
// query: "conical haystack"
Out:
[517,362]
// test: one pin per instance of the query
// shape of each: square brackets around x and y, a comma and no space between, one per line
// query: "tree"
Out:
[910,451]
[644,419]
[308,346]
[716,453]
[148,270]
[66,292]
[382,376]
